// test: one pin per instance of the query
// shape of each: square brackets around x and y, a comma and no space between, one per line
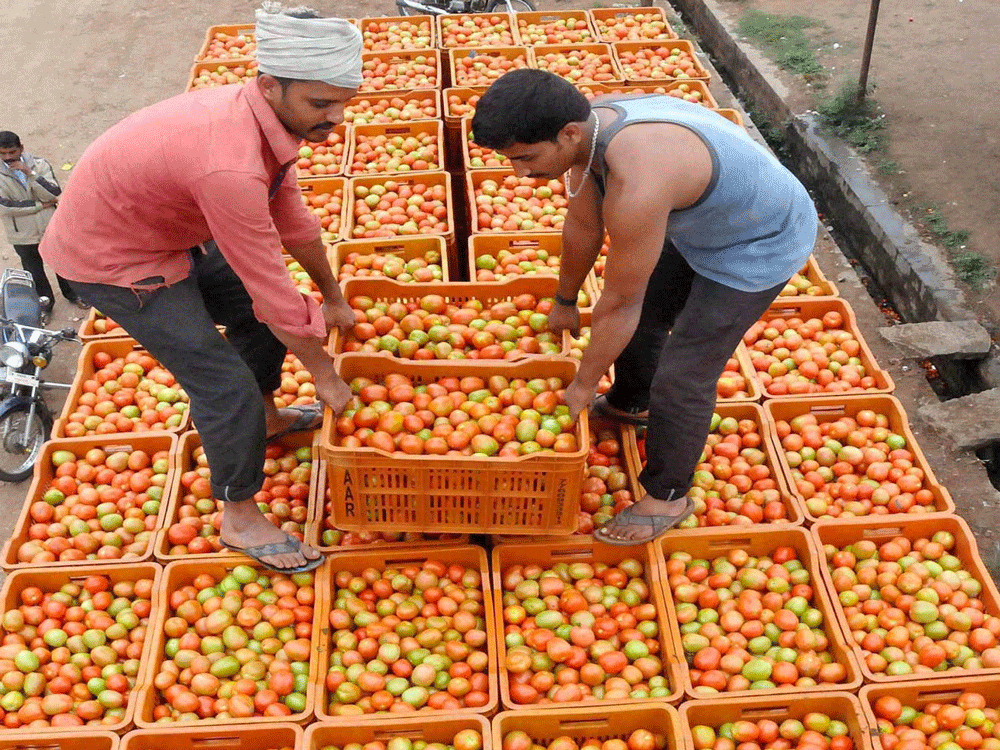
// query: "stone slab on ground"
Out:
[961,339]
[971,422]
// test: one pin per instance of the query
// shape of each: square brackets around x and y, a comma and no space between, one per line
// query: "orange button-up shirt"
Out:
[200,166]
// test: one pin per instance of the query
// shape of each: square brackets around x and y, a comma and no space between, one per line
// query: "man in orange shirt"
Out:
[173,222]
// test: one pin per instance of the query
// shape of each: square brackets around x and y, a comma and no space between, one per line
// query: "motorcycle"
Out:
[25,350]
[441,7]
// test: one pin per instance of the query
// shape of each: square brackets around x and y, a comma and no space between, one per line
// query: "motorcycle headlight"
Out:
[14,354]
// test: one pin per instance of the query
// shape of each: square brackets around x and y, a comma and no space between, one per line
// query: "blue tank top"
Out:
[755,225]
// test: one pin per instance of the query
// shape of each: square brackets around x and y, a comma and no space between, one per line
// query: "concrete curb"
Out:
[912,274]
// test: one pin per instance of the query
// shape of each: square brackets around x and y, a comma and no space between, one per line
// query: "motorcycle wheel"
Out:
[17,460]
[518,6]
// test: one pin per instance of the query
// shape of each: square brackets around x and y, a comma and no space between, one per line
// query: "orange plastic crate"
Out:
[234,737]
[550,552]
[469,556]
[530,23]
[614,73]
[435,128]
[461,96]
[243,29]
[427,727]
[744,410]
[491,243]
[841,532]
[474,179]
[628,463]
[406,248]
[118,347]
[811,272]
[590,90]
[599,721]
[512,53]
[533,494]
[318,186]
[500,20]
[830,409]
[182,573]
[601,17]
[244,69]
[418,21]
[44,474]
[761,540]
[334,170]
[732,115]
[489,153]
[409,58]
[840,706]
[403,178]
[82,739]
[50,580]
[87,332]
[320,522]
[187,444]
[384,290]
[701,73]
[356,106]
[812,307]
[917,694]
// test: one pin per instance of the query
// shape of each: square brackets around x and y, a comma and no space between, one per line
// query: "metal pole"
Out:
[866,59]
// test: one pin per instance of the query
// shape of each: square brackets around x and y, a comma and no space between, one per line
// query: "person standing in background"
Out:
[29,193]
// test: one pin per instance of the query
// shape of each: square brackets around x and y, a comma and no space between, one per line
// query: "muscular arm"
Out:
[582,237]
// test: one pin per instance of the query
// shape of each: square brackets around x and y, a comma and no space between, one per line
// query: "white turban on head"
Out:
[308,49]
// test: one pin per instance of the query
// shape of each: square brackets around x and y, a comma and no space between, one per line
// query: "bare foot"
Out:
[620,529]
[245,526]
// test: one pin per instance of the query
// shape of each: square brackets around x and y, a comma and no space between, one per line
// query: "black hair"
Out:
[527,106]
[9,140]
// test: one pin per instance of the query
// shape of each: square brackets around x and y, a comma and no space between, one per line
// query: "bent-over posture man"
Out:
[174,221]
[705,226]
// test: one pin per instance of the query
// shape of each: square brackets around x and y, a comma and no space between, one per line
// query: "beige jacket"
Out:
[24,216]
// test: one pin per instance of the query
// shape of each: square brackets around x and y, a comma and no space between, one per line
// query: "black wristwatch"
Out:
[565,301]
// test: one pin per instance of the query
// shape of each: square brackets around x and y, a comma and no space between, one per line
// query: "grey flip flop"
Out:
[601,408]
[658,525]
[310,418]
[290,546]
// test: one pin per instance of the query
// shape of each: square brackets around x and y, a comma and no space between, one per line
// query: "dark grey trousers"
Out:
[224,376]
[690,326]
[31,262]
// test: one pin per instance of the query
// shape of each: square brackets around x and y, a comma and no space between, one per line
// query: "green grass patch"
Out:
[784,39]
[858,123]
[935,223]
[972,268]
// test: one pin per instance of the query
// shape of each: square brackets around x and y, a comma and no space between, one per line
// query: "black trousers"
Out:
[689,327]
[31,262]
[224,376]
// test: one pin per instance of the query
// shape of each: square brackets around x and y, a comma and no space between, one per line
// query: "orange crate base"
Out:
[428,727]
[593,722]
[837,705]
[760,540]
[81,739]
[51,580]
[919,694]
[548,553]
[168,737]
[841,532]
[468,556]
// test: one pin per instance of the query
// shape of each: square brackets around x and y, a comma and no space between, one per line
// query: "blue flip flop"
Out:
[310,418]
[291,545]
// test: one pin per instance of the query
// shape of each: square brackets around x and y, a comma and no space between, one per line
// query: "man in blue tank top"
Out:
[705,229]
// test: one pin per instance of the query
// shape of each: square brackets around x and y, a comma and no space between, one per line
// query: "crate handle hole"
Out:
[730,542]
[934,696]
[583,724]
[216,742]
[879,533]
[585,552]
[388,734]
[763,713]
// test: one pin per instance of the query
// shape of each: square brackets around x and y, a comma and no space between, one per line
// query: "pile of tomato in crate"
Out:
[824,595]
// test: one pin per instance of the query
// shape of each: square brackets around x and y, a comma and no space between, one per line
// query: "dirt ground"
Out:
[940,108]
[74,70]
